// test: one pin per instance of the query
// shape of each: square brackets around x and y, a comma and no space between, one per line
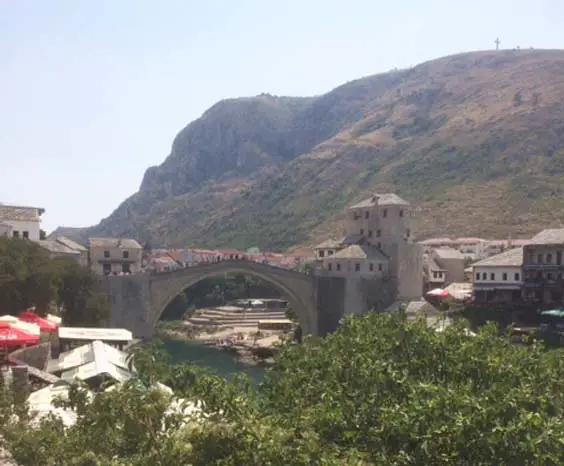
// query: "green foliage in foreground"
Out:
[381,390]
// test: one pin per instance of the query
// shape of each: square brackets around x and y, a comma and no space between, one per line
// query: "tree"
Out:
[381,390]
[79,295]
[27,277]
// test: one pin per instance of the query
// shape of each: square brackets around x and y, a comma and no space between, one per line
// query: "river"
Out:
[218,361]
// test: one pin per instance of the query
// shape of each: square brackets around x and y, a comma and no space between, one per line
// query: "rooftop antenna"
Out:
[497,42]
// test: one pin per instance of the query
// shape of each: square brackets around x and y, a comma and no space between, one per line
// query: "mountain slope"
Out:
[475,141]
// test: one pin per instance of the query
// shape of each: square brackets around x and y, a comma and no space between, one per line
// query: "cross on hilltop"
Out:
[497,42]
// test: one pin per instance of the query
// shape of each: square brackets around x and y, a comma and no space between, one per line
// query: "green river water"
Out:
[218,361]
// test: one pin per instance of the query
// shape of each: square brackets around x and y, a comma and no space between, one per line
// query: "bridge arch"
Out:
[296,287]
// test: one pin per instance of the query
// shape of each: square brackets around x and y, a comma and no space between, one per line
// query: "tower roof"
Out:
[381,200]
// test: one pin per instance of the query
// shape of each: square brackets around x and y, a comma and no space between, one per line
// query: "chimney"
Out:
[374,197]
[20,384]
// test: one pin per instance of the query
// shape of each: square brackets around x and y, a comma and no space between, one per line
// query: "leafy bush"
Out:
[380,391]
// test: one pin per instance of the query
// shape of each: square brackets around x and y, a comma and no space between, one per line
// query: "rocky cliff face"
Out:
[475,141]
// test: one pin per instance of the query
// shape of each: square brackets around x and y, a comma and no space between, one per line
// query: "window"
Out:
[539,258]
[407,233]
[362,231]
[484,276]
[338,267]
[401,212]
[549,276]
[370,233]
[126,254]
[435,275]
[516,276]
[504,276]
[357,267]
[25,234]
[125,268]
[378,233]
[321,253]
[478,276]
[107,254]
[549,258]
[379,267]
[371,267]
[329,267]
[385,213]
[329,253]
[531,256]
[366,214]
[559,258]
[16,234]
[492,276]
[107,269]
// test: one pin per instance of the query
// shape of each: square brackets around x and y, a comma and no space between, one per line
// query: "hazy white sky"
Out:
[92,92]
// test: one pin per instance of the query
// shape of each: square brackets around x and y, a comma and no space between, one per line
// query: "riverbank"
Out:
[246,344]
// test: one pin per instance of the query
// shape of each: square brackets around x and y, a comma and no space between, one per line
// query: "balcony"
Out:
[543,266]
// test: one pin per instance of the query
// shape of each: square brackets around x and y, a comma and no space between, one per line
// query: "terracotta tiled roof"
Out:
[436,241]
[469,240]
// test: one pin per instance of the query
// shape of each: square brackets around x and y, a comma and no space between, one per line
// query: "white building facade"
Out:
[499,278]
[21,222]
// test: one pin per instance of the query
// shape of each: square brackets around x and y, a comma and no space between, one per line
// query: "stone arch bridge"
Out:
[138,301]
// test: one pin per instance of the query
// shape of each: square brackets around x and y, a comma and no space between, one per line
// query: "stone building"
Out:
[442,267]
[109,256]
[21,222]
[61,246]
[543,268]
[498,279]
[377,253]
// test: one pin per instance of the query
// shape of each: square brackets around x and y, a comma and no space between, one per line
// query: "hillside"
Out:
[474,141]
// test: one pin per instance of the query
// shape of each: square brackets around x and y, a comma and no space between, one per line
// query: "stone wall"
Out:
[130,301]
[410,272]
[35,356]
[330,303]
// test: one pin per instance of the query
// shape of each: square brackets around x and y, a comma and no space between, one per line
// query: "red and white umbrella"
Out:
[27,327]
[12,337]
[439,293]
[44,324]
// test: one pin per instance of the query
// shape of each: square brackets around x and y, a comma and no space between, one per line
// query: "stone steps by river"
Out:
[229,318]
